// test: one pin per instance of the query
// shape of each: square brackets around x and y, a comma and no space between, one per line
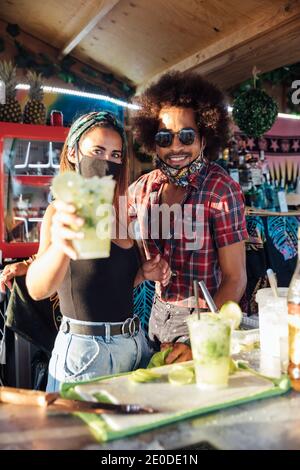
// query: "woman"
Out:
[98,335]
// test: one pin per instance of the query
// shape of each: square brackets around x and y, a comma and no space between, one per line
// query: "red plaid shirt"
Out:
[212,194]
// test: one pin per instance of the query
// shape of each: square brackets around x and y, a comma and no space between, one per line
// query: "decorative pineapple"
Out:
[11,110]
[35,110]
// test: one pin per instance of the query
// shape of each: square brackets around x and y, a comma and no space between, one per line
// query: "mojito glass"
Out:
[93,199]
[210,343]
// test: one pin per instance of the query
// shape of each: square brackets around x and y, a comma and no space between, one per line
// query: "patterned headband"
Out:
[85,122]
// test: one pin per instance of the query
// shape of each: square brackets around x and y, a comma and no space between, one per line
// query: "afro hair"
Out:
[186,90]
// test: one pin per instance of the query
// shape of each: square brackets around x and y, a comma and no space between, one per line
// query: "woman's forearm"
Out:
[139,278]
[46,273]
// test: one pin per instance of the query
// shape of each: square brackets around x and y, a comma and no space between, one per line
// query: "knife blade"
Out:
[98,407]
[53,401]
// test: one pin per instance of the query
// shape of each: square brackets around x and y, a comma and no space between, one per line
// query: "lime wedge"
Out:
[181,375]
[232,312]
[144,375]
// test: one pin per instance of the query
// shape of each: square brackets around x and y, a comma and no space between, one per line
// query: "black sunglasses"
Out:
[165,137]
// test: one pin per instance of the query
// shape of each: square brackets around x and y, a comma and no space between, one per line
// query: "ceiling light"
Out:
[82,94]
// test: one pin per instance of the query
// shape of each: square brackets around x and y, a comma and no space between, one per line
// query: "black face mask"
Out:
[90,167]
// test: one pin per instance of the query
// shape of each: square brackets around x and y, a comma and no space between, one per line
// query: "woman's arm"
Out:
[46,273]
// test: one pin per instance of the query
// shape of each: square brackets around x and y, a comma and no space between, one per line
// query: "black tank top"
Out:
[100,290]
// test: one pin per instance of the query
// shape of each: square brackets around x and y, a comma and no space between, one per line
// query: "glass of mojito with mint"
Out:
[210,343]
[92,198]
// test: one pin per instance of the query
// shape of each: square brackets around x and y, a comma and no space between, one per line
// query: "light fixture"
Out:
[82,94]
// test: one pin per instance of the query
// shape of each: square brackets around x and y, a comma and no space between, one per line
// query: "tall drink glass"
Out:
[273,331]
[92,198]
[210,343]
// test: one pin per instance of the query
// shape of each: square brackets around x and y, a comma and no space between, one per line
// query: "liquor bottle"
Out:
[256,170]
[293,299]
[270,196]
[244,173]
[263,163]
[223,159]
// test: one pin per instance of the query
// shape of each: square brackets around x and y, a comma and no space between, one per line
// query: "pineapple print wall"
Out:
[11,110]
[35,110]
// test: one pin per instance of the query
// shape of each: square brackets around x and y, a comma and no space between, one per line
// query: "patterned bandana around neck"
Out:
[84,123]
[179,176]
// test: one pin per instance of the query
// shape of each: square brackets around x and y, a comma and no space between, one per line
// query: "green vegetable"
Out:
[158,359]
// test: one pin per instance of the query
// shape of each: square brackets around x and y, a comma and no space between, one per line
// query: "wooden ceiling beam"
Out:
[250,38]
[86,27]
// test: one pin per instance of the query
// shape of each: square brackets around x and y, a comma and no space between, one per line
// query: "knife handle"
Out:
[21,396]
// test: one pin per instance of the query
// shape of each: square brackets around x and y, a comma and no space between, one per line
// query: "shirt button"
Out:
[173,273]
[168,306]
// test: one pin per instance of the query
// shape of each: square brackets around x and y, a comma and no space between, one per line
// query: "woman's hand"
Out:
[61,232]
[10,272]
[157,269]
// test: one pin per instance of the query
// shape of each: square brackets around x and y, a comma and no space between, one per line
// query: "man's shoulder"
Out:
[144,180]
[218,177]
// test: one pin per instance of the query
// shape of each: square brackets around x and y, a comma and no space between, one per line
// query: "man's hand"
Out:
[157,269]
[180,353]
[10,272]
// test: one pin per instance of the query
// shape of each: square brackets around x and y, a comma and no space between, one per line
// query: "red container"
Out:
[56,118]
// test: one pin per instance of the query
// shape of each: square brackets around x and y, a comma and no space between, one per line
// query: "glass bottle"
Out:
[270,195]
[293,299]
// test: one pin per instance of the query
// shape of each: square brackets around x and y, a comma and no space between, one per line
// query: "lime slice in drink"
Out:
[232,312]
[181,375]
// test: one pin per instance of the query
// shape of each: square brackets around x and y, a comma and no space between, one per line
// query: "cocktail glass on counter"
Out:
[210,343]
[273,331]
[92,198]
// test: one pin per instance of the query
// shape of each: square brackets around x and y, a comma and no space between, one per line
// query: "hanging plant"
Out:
[254,111]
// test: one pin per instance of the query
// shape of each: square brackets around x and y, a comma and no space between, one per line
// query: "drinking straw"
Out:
[196,293]
[273,282]
[208,298]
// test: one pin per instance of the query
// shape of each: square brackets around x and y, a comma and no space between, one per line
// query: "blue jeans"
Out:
[82,357]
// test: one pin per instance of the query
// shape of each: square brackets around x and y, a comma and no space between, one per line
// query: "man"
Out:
[183,121]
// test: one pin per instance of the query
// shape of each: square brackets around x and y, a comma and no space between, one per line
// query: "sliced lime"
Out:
[181,375]
[232,312]
[144,375]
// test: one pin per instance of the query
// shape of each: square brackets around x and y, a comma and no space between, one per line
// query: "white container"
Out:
[273,331]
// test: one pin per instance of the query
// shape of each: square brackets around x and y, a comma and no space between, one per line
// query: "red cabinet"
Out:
[29,158]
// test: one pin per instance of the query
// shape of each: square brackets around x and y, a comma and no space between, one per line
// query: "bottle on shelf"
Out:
[244,173]
[256,170]
[263,163]
[223,159]
[233,160]
[293,299]
[270,194]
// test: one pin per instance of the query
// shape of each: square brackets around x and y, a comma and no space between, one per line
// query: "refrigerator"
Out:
[29,158]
